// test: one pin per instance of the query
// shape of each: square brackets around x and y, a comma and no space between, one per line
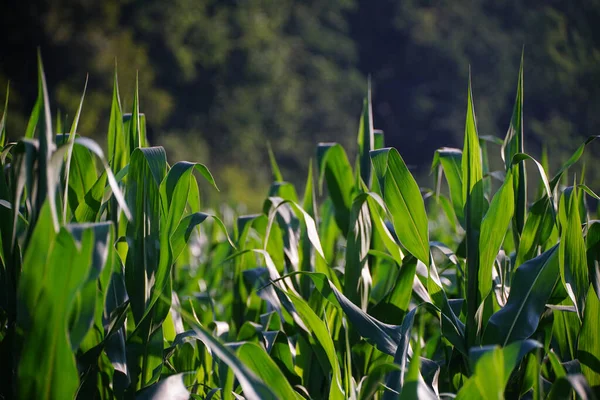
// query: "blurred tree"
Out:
[223,76]
[419,53]
[218,78]
[247,72]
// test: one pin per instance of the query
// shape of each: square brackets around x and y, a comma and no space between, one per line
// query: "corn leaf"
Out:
[472,174]
[45,323]
[572,251]
[366,138]
[531,288]
[118,154]
[493,229]
[588,345]
[3,119]
[259,362]
[450,160]
[335,168]
[404,202]
[492,369]
[513,144]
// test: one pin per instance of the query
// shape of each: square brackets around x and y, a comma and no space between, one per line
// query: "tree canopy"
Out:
[218,79]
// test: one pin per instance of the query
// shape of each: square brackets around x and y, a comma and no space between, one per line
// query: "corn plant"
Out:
[115,283]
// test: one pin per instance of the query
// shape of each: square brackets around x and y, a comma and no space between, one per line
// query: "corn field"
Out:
[117,283]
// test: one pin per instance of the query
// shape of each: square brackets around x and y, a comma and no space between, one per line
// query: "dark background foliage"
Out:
[218,79]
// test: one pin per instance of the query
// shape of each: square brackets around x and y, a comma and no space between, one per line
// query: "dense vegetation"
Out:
[222,74]
[115,284]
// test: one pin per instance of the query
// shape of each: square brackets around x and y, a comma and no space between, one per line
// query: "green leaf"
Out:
[180,237]
[404,202]
[94,148]
[37,107]
[253,387]
[532,285]
[513,144]
[450,160]
[571,161]
[415,387]
[366,138]
[493,229]
[306,255]
[258,361]
[588,349]
[538,228]
[396,302]
[44,322]
[379,137]
[89,208]
[565,329]
[323,337]
[373,379]
[395,380]
[118,154]
[452,327]
[493,367]
[564,385]
[572,252]
[335,168]
[357,249]
[174,195]
[171,387]
[519,157]
[146,171]
[46,186]
[274,203]
[378,213]
[3,119]
[384,336]
[133,135]
[70,152]
[472,173]
[82,175]
[593,254]
[277,177]
[89,302]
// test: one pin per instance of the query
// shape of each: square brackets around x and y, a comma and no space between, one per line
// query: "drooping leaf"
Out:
[532,285]
[384,336]
[116,191]
[253,387]
[571,161]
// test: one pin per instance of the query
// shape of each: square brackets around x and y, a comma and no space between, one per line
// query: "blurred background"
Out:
[220,79]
